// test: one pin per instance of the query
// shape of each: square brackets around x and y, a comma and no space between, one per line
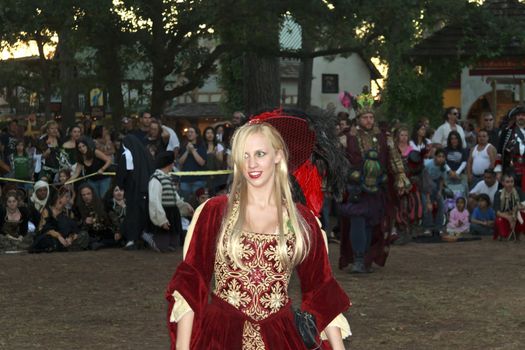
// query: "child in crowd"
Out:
[458,222]
[483,217]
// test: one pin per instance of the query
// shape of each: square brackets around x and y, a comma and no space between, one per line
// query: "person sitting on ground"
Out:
[483,217]
[509,209]
[488,186]
[458,221]
[57,231]
[95,220]
[38,201]
[115,205]
[13,225]
[163,206]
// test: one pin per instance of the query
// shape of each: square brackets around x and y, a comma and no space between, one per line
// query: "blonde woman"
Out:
[250,242]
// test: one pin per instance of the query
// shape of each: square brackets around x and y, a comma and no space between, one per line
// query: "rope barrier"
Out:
[176,173]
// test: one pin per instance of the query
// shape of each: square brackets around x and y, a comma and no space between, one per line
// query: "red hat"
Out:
[300,140]
[295,132]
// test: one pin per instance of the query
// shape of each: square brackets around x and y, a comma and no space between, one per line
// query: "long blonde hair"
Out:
[229,241]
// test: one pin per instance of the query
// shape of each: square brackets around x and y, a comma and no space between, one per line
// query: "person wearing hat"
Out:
[512,144]
[376,174]
[249,243]
[164,204]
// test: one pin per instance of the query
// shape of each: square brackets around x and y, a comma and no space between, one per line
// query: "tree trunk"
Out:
[45,67]
[111,73]
[304,86]
[68,84]
[158,95]
[261,83]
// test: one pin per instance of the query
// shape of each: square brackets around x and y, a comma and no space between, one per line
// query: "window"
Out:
[330,83]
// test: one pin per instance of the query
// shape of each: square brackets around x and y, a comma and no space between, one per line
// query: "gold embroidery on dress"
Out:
[261,289]
[251,337]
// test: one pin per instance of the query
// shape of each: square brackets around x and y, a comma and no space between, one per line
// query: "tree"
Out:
[176,38]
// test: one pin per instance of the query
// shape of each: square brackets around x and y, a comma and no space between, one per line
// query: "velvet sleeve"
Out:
[193,276]
[322,296]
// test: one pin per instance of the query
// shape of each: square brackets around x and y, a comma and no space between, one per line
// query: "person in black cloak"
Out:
[134,169]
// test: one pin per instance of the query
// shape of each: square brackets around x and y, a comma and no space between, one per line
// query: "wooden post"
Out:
[494,97]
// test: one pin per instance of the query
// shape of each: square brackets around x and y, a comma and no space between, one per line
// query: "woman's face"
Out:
[12,202]
[154,130]
[41,193]
[52,130]
[75,133]
[209,135]
[260,159]
[82,148]
[508,183]
[454,142]
[422,131]
[118,194]
[403,137]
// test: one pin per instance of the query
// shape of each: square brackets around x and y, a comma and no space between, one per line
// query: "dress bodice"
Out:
[261,288]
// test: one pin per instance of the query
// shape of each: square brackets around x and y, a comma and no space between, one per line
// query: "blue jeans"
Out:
[188,189]
[100,186]
[431,222]
[360,234]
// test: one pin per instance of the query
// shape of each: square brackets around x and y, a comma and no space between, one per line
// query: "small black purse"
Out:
[305,323]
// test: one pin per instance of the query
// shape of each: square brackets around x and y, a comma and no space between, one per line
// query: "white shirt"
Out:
[129,158]
[174,139]
[420,147]
[441,134]
[522,146]
[481,187]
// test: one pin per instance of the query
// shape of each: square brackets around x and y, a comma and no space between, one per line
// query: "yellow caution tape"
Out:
[8,179]
[176,173]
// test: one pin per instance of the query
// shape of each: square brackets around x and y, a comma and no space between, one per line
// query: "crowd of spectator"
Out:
[59,192]
[456,175]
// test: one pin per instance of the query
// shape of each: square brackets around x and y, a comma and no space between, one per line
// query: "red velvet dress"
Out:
[250,309]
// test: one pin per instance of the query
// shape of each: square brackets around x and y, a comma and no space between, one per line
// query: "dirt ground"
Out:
[429,296]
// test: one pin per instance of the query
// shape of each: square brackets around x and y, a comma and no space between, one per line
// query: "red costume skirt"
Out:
[502,227]
[223,326]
